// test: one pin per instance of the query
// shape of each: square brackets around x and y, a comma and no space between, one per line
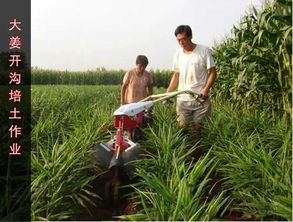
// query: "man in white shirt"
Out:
[194,69]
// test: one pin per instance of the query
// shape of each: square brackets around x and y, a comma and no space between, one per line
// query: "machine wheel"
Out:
[112,187]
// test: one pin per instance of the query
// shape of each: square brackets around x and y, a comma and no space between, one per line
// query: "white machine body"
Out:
[133,108]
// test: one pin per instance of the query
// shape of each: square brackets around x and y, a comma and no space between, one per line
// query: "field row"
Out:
[245,167]
[105,77]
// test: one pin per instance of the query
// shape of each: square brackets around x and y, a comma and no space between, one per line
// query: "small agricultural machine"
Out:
[118,153]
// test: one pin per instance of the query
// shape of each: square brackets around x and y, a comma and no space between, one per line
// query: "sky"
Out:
[80,35]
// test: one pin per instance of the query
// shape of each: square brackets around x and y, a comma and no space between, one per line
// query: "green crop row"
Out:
[254,152]
[101,77]
[172,186]
[249,150]
[66,124]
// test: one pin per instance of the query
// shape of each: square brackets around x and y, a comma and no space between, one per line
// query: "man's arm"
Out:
[211,79]
[174,82]
[123,90]
[150,89]
[150,85]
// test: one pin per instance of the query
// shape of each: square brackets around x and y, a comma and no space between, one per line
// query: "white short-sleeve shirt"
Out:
[193,69]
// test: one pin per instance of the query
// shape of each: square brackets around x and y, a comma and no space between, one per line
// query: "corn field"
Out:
[254,61]
[161,78]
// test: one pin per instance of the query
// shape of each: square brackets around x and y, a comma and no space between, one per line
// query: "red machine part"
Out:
[121,123]
[128,122]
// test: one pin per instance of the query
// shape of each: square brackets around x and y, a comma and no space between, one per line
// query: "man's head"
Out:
[141,63]
[183,35]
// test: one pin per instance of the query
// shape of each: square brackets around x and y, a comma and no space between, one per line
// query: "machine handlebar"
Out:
[166,96]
